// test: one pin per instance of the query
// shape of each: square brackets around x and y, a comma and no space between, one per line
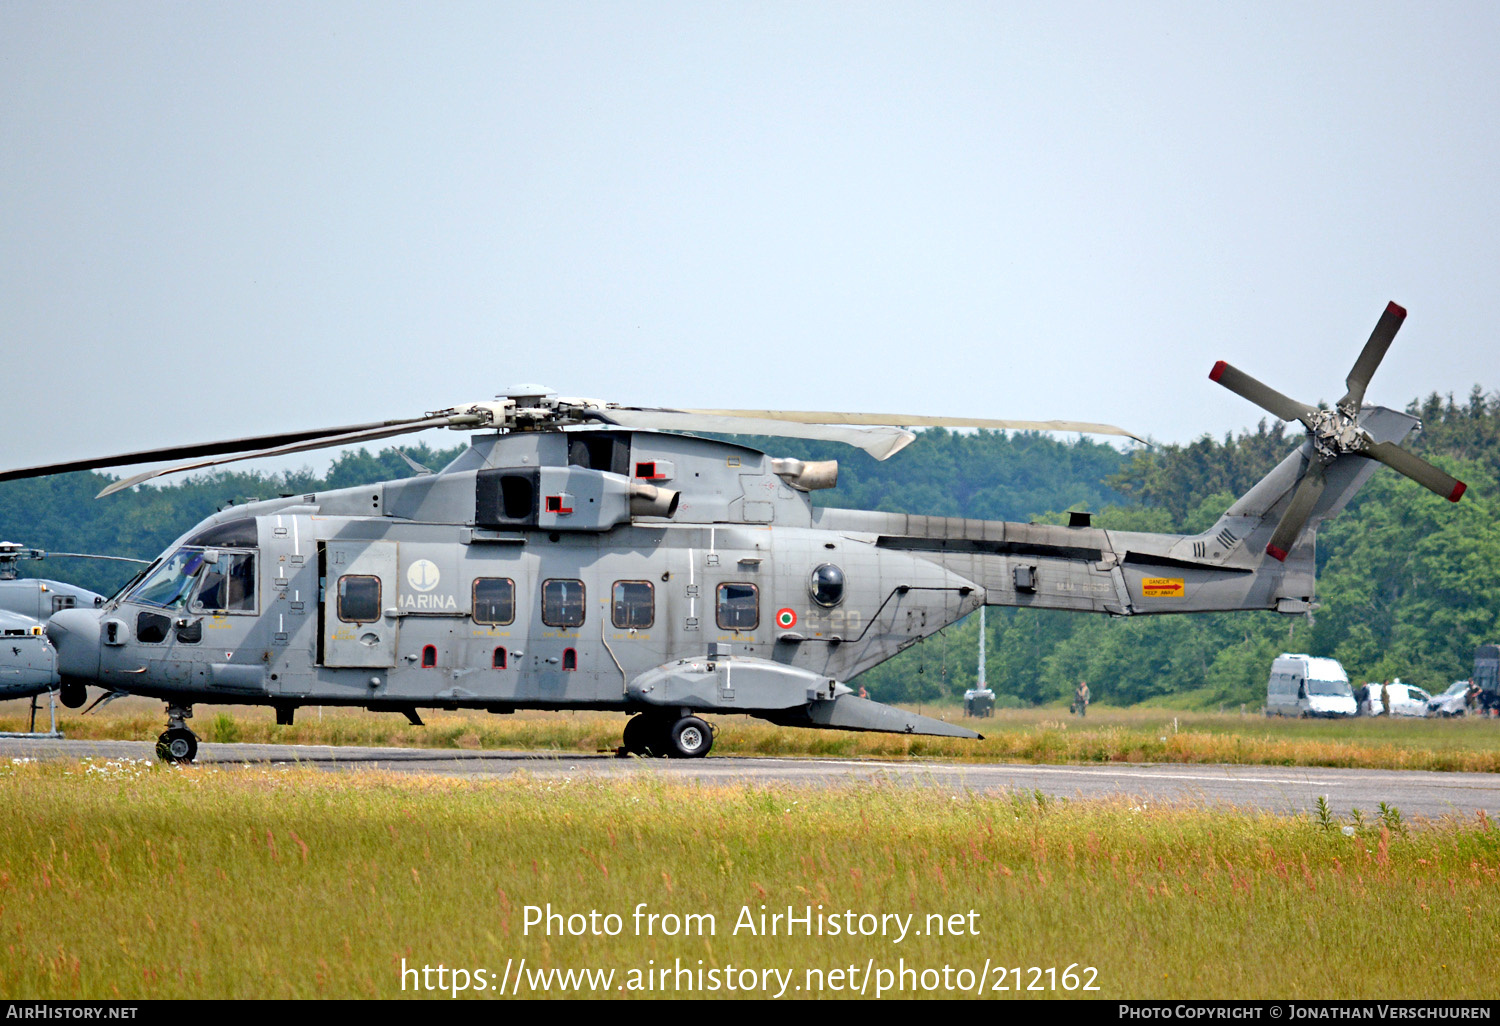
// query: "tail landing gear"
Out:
[177,744]
[686,737]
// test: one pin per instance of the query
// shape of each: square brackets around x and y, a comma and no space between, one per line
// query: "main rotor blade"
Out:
[880,442]
[89,555]
[1416,468]
[1309,490]
[177,452]
[1264,396]
[1369,358]
[913,420]
[348,438]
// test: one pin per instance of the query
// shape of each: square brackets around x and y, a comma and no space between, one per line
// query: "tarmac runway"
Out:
[1283,789]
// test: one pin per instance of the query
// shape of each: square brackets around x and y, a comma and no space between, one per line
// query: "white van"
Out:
[1304,685]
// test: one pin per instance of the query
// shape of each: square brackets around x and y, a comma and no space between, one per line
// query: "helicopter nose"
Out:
[75,635]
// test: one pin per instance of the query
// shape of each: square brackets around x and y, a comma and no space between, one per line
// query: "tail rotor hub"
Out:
[1335,433]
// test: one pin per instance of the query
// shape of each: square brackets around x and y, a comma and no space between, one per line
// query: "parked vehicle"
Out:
[1406,699]
[1453,702]
[979,702]
[1304,685]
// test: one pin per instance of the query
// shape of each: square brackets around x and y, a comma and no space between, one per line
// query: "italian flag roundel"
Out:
[786,618]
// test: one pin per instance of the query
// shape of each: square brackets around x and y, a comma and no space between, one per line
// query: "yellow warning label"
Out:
[1161,587]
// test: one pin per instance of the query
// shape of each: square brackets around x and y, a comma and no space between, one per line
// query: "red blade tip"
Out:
[1393,308]
[1275,553]
[1218,371]
[1458,491]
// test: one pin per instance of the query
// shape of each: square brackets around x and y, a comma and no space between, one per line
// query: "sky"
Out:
[237,218]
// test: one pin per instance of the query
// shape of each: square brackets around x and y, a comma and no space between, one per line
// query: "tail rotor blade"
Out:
[1369,359]
[1264,396]
[1309,490]
[1418,469]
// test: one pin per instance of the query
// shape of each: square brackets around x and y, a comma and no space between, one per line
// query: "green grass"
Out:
[1029,735]
[129,881]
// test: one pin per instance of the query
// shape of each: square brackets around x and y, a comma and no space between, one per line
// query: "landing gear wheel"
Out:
[177,745]
[72,694]
[689,738]
[637,737]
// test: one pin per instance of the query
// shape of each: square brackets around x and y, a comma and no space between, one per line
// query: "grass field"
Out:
[125,880]
[1032,735]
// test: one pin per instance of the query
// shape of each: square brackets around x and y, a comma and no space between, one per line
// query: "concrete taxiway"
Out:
[1280,789]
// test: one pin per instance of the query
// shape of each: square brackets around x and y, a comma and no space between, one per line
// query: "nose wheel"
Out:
[177,744]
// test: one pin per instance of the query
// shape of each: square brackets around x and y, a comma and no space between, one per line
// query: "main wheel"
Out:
[177,745]
[689,738]
[72,694]
[637,737]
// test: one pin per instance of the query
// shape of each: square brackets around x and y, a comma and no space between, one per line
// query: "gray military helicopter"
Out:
[589,555]
[27,662]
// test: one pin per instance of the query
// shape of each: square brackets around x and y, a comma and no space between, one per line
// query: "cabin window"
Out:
[570,659]
[739,607]
[429,656]
[562,603]
[634,605]
[359,598]
[228,584]
[494,600]
[499,661]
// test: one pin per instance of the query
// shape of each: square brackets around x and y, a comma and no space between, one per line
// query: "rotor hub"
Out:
[1335,433]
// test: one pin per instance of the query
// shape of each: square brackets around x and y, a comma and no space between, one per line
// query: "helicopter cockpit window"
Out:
[359,598]
[240,534]
[128,586]
[494,600]
[739,607]
[562,603]
[634,605]
[228,584]
[168,587]
[827,585]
